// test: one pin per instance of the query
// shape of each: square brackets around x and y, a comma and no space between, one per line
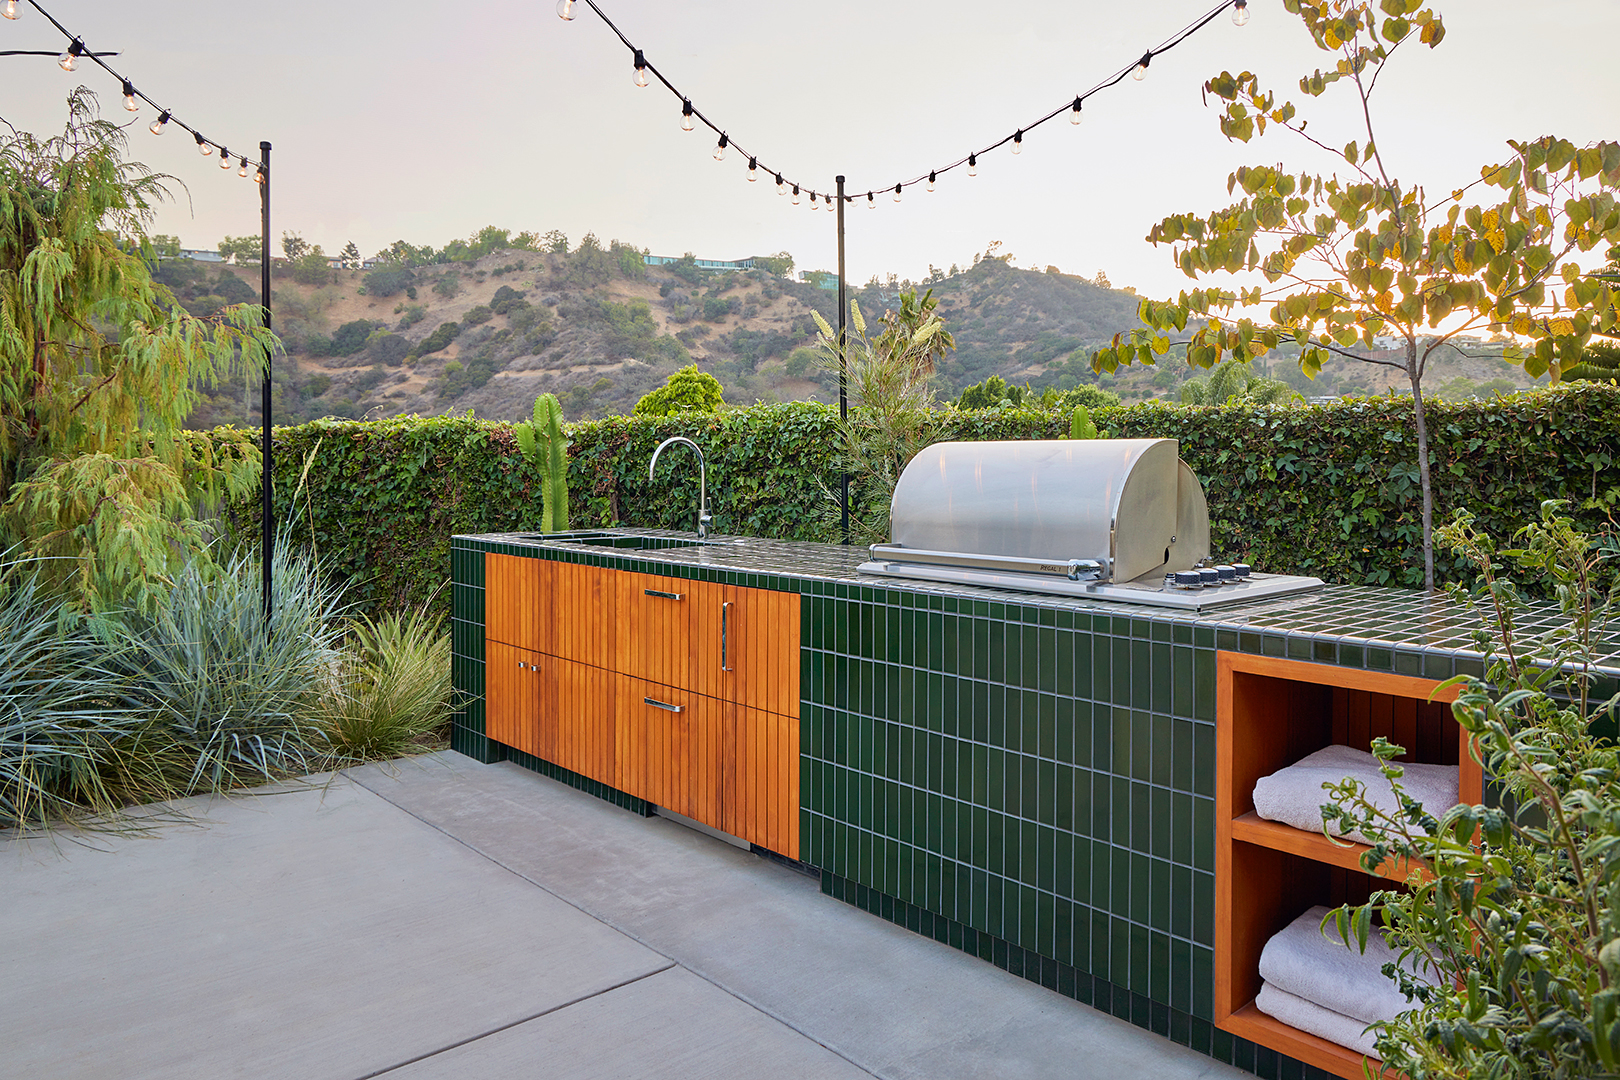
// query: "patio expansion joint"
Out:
[515,1023]
[626,931]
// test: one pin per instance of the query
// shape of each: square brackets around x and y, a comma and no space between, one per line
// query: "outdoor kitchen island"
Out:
[1061,786]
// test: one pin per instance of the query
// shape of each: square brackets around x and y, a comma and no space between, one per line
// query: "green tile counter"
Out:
[1028,778]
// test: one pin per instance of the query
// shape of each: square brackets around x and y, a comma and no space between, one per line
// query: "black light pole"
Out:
[843,357]
[266,514]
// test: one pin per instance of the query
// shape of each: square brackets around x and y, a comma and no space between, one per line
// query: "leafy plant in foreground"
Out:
[1518,904]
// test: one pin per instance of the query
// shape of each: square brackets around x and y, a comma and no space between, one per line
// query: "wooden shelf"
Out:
[1252,1024]
[1253,829]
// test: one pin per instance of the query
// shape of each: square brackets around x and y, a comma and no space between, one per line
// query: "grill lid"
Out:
[1131,507]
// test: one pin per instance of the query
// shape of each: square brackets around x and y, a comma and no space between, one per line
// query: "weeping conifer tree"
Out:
[99,367]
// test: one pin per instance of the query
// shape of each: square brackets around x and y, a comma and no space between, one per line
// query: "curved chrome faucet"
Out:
[703,482]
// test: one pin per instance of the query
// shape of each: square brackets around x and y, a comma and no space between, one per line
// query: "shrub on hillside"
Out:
[439,339]
[389,280]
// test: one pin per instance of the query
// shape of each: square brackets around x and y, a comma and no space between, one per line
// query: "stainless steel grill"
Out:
[1107,519]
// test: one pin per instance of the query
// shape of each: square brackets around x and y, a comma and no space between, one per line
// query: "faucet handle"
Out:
[703,526]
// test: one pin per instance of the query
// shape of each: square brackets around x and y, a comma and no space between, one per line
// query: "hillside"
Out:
[600,330]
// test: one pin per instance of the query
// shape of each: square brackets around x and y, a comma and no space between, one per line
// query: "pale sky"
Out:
[424,122]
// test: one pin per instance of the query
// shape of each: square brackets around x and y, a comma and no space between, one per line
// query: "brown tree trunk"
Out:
[1416,377]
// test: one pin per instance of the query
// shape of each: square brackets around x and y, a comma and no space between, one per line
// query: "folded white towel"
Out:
[1295,1011]
[1294,796]
[1325,971]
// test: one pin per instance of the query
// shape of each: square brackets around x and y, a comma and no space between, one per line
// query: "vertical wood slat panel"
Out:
[500,691]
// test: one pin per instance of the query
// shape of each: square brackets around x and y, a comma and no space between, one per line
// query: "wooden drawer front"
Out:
[762,779]
[584,721]
[653,628]
[759,665]
[519,697]
[518,601]
[582,630]
[671,758]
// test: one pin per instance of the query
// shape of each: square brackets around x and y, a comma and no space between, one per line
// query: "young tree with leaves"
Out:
[99,367]
[1356,256]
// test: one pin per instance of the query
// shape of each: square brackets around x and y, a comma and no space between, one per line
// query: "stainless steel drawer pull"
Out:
[661,705]
[664,595]
[725,617]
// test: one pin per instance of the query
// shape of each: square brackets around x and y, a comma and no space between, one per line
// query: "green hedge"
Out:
[1329,490]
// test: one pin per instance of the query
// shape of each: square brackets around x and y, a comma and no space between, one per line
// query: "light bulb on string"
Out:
[686,114]
[243,170]
[753,166]
[720,147]
[157,125]
[933,178]
[795,194]
[565,10]
[70,59]
[1074,116]
[1240,13]
[129,97]
[830,207]
[871,203]
[1139,72]
[973,164]
[258,175]
[202,146]
[224,158]
[781,188]
[10,10]
[641,69]
[897,193]
[1018,141]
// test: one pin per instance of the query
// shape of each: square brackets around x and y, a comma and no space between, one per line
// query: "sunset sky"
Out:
[424,122]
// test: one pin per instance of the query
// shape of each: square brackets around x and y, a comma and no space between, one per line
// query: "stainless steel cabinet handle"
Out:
[725,615]
[662,705]
[664,595]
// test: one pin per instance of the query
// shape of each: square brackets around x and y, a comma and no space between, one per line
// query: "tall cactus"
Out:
[1080,425]
[552,461]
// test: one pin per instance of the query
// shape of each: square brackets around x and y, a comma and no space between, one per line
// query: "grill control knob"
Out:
[1210,576]
[1228,573]
[1242,570]
[1187,579]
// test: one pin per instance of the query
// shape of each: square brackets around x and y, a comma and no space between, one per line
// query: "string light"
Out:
[129,97]
[157,125]
[243,170]
[70,59]
[202,144]
[871,203]
[224,158]
[690,117]
[10,10]
[258,174]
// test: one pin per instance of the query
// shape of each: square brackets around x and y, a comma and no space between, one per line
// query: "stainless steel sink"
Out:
[616,541]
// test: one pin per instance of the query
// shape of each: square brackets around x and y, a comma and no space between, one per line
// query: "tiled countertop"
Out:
[1353,615]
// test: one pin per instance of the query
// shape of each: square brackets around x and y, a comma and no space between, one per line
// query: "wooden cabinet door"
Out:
[746,646]
[761,766]
[585,721]
[519,698]
[669,748]
[653,628]
[518,601]
[582,614]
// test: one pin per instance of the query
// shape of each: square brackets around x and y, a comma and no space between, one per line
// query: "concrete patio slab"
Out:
[894,1003]
[313,933]
[672,1024]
